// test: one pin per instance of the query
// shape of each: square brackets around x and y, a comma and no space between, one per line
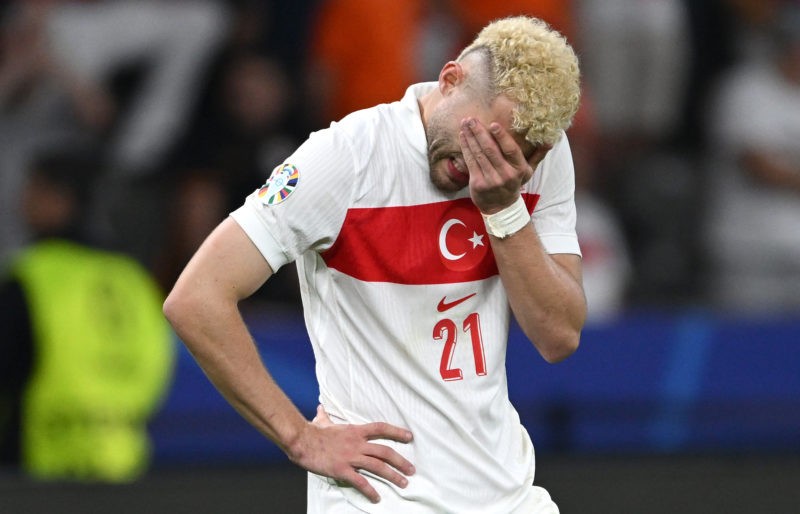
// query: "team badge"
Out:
[280,184]
[463,243]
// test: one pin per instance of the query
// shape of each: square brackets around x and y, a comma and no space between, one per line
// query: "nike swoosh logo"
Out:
[444,305]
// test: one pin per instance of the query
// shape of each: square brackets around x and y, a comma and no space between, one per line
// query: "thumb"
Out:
[321,419]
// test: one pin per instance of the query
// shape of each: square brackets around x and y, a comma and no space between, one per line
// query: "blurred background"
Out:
[156,118]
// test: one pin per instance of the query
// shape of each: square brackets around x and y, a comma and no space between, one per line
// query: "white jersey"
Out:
[403,302]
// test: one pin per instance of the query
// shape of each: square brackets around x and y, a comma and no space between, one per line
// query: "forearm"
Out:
[218,339]
[203,307]
[546,297]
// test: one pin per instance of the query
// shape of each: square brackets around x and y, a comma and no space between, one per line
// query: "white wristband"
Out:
[509,221]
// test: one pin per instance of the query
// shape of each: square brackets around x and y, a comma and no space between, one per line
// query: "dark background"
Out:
[657,412]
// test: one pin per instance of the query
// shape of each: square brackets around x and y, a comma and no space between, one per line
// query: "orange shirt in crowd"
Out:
[361,52]
[475,14]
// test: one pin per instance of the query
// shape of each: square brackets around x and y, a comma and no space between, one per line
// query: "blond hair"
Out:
[535,67]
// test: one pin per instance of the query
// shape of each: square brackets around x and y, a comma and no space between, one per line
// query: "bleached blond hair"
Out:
[535,67]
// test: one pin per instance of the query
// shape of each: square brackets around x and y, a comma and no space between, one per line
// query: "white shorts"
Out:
[326,498]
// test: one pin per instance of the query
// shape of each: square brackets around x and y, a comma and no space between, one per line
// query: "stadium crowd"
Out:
[189,104]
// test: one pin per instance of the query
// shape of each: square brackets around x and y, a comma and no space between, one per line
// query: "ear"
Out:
[452,75]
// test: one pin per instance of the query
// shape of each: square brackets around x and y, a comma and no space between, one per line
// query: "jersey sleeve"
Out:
[303,204]
[555,215]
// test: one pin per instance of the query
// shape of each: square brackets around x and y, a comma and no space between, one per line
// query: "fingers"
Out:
[469,157]
[346,449]
[381,469]
[390,457]
[385,453]
[481,153]
[381,461]
[510,148]
[493,147]
[360,482]
[496,164]
[380,430]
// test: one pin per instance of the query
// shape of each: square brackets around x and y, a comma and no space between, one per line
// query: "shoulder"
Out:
[561,153]
[556,167]
[370,127]
[387,126]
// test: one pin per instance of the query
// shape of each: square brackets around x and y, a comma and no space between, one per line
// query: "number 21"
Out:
[446,329]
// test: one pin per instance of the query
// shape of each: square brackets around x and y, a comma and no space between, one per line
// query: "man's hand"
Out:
[497,166]
[339,451]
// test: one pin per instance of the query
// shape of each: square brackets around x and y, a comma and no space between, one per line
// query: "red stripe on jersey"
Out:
[435,243]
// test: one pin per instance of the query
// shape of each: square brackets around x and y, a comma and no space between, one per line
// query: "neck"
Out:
[426,104]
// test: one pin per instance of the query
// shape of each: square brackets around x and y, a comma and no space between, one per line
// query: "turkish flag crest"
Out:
[462,239]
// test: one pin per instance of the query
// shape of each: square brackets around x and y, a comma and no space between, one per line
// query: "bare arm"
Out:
[545,291]
[203,309]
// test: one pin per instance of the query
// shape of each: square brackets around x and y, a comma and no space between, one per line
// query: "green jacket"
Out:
[103,360]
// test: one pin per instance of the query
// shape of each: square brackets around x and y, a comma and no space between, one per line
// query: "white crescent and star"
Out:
[476,240]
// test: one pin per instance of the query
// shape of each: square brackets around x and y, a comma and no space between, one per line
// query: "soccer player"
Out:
[417,227]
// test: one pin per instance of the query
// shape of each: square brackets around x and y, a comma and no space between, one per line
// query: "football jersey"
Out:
[403,302]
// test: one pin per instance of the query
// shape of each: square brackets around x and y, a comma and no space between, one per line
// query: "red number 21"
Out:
[446,329]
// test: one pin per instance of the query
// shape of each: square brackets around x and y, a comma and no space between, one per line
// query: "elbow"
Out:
[176,307]
[563,339]
[171,309]
[560,348]
[555,341]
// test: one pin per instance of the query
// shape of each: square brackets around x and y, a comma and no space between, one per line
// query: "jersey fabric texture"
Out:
[403,301]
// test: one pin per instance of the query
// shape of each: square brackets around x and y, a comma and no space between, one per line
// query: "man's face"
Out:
[448,171]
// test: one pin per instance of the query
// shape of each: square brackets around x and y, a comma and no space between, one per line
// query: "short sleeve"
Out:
[303,204]
[555,215]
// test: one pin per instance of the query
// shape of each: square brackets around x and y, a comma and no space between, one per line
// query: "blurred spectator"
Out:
[279,29]
[168,42]
[154,56]
[85,354]
[560,14]
[248,120]
[606,266]
[244,132]
[753,240]
[712,51]
[636,61]
[129,71]
[753,21]
[606,262]
[40,103]
[364,52]
[355,58]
